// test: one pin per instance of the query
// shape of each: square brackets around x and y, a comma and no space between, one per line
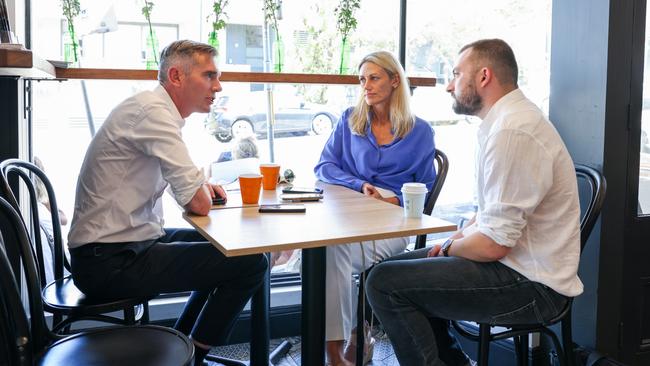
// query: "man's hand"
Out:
[202,200]
[216,191]
[434,251]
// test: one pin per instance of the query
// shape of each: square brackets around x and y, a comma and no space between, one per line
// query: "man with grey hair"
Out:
[118,245]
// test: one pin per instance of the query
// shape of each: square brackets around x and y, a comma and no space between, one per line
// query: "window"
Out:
[433,39]
[304,113]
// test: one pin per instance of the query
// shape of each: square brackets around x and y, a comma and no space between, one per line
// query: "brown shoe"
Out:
[350,352]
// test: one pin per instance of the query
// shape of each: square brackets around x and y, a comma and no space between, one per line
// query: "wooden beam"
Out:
[243,77]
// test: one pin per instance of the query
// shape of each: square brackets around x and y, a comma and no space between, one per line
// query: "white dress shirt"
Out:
[138,151]
[528,195]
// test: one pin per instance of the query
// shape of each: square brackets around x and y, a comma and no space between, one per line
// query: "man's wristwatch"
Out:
[446,246]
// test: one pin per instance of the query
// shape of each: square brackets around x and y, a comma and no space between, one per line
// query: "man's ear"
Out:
[175,76]
[485,76]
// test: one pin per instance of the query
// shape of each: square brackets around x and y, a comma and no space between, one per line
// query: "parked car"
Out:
[234,116]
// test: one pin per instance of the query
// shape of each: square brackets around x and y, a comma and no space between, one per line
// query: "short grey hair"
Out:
[245,148]
[181,53]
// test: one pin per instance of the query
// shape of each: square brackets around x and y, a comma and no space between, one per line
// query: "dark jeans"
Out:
[413,296]
[181,260]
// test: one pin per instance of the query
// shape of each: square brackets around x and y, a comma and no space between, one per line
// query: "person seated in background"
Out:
[45,223]
[517,261]
[242,157]
[243,148]
[118,245]
[376,146]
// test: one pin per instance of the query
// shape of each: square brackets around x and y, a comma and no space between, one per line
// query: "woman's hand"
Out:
[370,190]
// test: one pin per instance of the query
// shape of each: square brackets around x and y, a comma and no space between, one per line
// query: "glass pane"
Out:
[432,47]
[644,161]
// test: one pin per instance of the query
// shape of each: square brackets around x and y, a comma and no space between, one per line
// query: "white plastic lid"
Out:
[414,188]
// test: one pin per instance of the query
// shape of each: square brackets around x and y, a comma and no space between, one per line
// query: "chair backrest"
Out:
[442,167]
[29,174]
[28,337]
[592,197]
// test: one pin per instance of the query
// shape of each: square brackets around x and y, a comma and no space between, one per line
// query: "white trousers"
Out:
[343,261]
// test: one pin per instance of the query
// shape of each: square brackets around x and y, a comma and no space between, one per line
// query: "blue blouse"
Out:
[351,160]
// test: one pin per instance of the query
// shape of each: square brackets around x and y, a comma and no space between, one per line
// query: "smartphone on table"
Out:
[218,200]
[301,197]
[282,208]
[293,189]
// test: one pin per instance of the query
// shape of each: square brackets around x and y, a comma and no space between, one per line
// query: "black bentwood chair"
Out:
[30,342]
[441,164]
[593,182]
[60,296]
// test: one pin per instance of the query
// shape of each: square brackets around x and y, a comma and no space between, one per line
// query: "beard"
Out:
[468,103]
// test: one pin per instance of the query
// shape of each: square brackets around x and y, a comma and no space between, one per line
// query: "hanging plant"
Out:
[71,9]
[218,17]
[346,23]
[152,41]
[270,8]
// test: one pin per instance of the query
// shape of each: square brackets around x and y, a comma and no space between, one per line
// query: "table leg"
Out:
[260,332]
[313,307]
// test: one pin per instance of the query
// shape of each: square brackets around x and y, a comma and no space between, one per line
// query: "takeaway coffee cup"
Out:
[413,195]
[250,186]
[270,172]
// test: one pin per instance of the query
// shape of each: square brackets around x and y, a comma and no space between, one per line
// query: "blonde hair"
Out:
[401,117]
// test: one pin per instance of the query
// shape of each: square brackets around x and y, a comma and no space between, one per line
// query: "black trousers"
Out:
[181,260]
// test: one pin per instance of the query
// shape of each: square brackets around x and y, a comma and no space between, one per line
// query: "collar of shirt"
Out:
[162,92]
[503,103]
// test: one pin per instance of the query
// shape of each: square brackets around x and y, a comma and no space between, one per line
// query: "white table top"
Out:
[343,216]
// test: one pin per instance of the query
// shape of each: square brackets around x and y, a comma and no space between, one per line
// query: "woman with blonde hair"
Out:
[376,146]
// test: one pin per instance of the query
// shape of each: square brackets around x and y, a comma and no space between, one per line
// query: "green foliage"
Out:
[345,20]
[71,9]
[317,54]
[270,7]
[146,11]
[218,14]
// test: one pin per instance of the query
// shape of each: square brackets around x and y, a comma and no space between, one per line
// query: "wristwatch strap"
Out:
[446,246]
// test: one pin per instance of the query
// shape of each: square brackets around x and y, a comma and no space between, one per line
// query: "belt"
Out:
[97,249]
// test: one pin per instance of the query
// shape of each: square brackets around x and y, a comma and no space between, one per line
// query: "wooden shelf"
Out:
[18,62]
[244,77]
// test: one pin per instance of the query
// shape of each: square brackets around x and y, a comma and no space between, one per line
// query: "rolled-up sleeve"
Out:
[159,135]
[512,186]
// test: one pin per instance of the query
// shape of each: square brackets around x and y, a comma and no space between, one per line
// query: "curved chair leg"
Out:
[556,344]
[483,344]
[129,315]
[521,349]
[567,341]
[360,321]
[145,313]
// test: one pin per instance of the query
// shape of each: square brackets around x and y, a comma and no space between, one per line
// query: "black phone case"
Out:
[218,201]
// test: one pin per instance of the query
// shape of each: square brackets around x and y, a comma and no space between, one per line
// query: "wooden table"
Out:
[343,216]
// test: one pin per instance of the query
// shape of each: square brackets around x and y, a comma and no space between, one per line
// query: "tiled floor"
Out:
[383,354]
